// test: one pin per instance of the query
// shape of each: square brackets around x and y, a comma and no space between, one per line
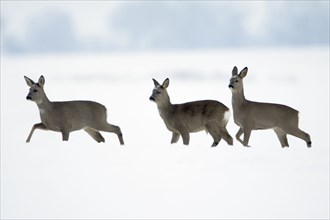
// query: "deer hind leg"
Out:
[34,127]
[300,134]
[113,129]
[94,134]
[175,137]
[226,136]
[214,131]
[282,137]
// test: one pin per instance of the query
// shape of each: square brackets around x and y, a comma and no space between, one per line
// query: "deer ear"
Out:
[243,73]
[155,82]
[235,71]
[29,81]
[166,83]
[41,81]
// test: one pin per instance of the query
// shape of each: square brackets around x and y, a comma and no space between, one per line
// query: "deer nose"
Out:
[231,86]
[28,97]
[152,98]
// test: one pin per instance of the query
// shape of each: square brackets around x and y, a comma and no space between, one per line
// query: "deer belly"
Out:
[197,129]
[52,127]
[264,125]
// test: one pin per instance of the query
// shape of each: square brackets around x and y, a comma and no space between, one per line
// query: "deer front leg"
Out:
[175,137]
[247,133]
[185,137]
[34,127]
[184,134]
[238,135]
[65,135]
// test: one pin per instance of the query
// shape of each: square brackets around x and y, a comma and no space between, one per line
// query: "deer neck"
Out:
[238,97]
[164,106]
[44,104]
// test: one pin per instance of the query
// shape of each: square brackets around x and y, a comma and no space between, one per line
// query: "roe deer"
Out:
[182,119]
[250,115]
[69,116]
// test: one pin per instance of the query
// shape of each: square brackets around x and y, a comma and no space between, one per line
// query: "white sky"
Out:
[90,18]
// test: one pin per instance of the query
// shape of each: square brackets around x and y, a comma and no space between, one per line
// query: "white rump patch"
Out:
[226,116]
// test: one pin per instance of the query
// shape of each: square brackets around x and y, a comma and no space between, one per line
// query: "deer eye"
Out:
[158,92]
[236,80]
[35,90]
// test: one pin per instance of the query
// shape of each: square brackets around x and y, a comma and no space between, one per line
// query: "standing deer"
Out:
[66,117]
[182,119]
[250,115]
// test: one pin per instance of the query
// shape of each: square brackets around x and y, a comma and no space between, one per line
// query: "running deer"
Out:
[250,115]
[66,117]
[182,119]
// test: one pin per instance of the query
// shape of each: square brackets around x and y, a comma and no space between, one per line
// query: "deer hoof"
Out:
[215,144]
[309,144]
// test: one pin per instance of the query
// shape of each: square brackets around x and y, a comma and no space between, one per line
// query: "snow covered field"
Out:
[149,177]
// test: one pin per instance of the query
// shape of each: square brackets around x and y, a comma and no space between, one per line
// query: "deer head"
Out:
[159,93]
[236,81]
[36,92]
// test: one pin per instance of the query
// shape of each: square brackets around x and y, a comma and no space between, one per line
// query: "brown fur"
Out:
[250,115]
[182,119]
[66,117]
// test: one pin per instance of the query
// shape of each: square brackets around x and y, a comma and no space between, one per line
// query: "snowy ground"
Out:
[149,177]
